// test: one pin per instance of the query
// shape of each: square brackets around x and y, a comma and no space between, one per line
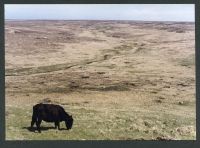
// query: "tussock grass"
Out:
[91,124]
[189,61]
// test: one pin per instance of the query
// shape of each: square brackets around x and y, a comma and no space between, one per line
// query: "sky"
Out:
[144,12]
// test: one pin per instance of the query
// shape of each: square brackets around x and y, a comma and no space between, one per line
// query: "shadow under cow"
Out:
[33,129]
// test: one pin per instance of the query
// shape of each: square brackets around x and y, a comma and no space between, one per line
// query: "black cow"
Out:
[50,113]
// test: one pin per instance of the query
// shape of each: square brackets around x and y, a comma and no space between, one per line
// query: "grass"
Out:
[47,69]
[124,87]
[188,61]
[108,124]
[114,87]
[35,70]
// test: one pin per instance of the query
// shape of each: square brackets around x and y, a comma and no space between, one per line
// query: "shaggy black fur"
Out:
[50,113]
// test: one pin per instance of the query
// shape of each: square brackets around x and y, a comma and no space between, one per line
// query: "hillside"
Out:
[119,79]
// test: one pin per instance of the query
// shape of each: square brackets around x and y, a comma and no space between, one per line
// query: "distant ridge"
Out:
[97,20]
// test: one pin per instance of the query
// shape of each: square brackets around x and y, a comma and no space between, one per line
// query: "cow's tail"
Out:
[34,116]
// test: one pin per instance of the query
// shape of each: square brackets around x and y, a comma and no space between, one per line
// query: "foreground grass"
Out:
[91,124]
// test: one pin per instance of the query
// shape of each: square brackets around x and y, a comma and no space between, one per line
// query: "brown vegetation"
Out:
[119,79]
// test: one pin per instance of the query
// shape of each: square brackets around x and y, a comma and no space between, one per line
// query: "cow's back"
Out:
[48,112]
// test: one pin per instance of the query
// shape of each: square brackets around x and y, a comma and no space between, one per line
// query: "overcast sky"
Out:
[146,12]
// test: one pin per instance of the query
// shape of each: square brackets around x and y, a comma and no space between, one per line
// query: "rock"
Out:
[132,84]
[147,124]
[85,102]
[139,139]
[41,82]
[186,130]
[17,31]
[155,132]
[158,101]
[182,84]
[165,122]
[180,102]
[131,128]
[146,131]
[163,138]
[106,56]
[74,86]
[160,97]
[85,76]
[41,38]
[101,72]
[46,100]
[166,86]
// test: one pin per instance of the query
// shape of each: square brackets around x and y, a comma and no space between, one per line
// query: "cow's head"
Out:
[69,122]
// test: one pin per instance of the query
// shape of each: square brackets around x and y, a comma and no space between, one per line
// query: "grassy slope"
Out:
[110,119]
[132,83]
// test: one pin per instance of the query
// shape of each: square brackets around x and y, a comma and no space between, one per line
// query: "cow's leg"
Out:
[34,119]
[56,124]
[38,125]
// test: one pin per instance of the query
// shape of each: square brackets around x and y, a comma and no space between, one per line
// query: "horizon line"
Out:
[94,20]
